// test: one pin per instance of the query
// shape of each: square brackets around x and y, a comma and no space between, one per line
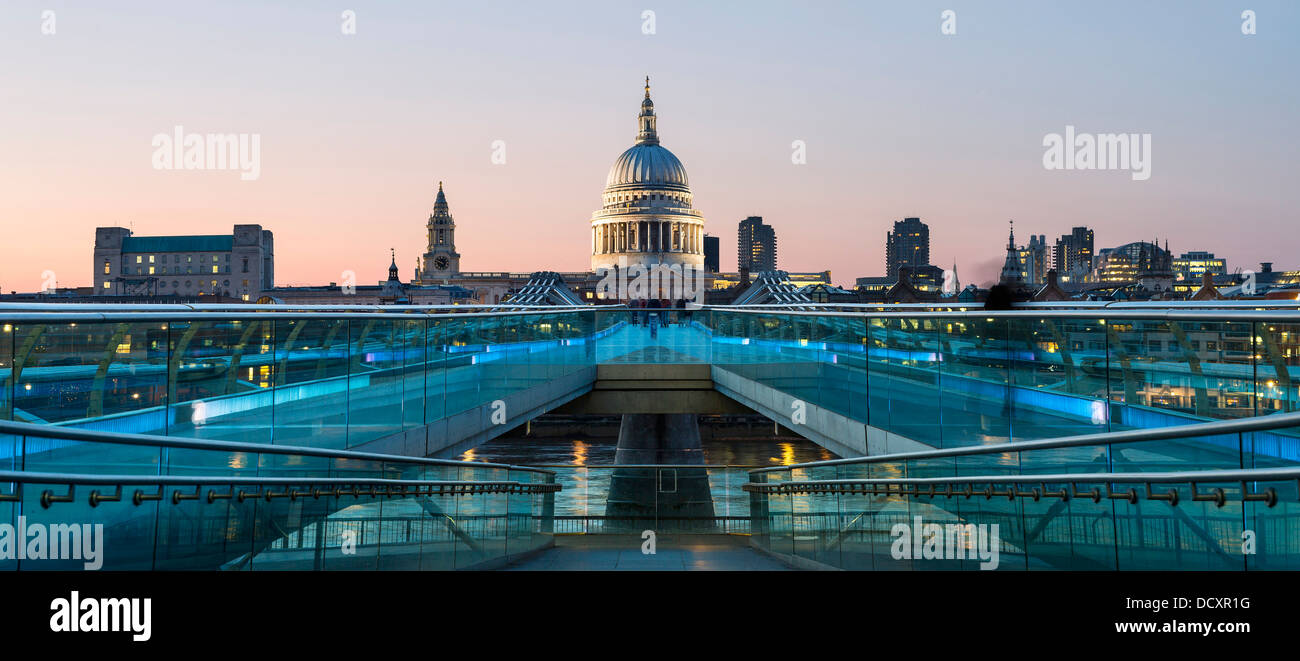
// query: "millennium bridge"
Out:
[1099,436]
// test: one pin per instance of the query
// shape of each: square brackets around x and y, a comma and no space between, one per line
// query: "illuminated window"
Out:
[138,259]
[107,269]
[150,259]
[214,269]
[150,270]
[106,285]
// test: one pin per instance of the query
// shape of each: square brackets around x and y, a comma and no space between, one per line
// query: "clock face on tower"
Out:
[440,262]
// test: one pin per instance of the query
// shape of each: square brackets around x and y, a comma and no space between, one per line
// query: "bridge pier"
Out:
[659,499]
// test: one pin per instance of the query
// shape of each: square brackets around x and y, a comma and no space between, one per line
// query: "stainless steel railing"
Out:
[259,307]
[148,440]
[1177,432]
[1068,483]
[315,487]
[1040,305]
[1254,313]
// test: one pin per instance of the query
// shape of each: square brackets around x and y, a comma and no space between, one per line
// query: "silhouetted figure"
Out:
[1000,298]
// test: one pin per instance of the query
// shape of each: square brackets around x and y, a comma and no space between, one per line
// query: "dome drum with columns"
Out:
[647,217]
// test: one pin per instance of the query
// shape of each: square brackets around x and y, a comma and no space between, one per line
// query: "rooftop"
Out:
[196,243]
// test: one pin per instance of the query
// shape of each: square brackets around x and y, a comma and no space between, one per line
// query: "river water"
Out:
[584,467]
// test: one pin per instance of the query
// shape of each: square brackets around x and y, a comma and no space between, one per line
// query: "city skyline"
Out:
[953,131]
[925,290]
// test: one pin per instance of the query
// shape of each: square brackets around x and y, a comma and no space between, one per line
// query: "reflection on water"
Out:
[589,451]
[584,467]
[787,455]
[524,451]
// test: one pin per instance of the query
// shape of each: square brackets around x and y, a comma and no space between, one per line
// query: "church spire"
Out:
[646,133]
[440,202]
[1011,274]
[441,214]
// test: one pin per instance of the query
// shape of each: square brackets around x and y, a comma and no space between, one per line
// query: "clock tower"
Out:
[441,260]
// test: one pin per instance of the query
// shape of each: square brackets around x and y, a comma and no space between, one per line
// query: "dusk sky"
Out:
[899,120]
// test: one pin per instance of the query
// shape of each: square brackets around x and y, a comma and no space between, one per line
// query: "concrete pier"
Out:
[659,499]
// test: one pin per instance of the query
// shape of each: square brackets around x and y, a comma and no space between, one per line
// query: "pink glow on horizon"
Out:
[357,131]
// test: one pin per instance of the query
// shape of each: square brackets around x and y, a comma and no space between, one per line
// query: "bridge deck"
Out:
[672,553]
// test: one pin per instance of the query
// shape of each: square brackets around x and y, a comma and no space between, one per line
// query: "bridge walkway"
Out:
[672,553]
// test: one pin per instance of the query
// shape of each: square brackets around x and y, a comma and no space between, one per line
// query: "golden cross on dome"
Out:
[647,87]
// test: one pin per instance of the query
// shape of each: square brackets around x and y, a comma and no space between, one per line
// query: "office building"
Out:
[237,265]
[711,251]
[1190,266]
[1073,254]
[755,245]
[907,245]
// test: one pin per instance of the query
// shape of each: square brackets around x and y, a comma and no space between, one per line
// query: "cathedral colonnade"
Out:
[652,236]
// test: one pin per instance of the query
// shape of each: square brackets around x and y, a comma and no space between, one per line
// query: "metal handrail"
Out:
[569,466]
[192,480]
[245,307]
[64,313]
[894,486]
[391,487]
[1039,305]
[1172,310]
[149,440]
[1257,423]
[1098,314]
